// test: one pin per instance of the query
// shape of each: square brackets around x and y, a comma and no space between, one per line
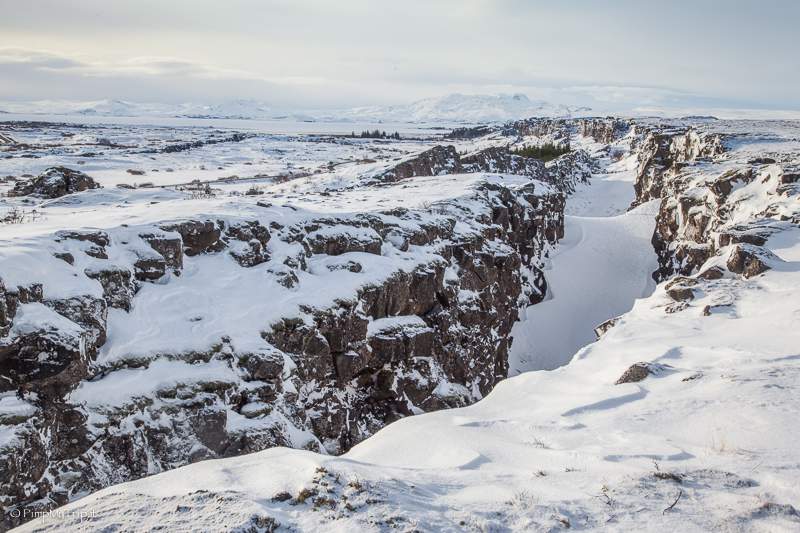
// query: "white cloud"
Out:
[360,52]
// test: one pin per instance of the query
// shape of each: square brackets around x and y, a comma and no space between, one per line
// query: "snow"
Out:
[561,445]
[393,322]
[709,443]
[448,109]
[466,108]
[597,271]
[127,385]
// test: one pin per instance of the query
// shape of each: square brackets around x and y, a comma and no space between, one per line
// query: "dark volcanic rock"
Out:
[602,328]
[501,160]
[169,247]
[749,260]
[199,236]
[445,160]
[338,240]
[639,371]
[438,160]
[680,289]
[603,130]
[251,249]
[117,282]
[570,169]
[635,372]
[54,183]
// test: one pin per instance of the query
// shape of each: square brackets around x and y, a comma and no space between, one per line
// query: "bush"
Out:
[545,152]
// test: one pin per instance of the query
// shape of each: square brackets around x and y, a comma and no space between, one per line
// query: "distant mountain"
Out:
[465,108]
[238,109]
[453,108]
[120,108]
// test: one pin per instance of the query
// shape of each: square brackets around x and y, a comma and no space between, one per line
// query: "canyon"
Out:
[355,298]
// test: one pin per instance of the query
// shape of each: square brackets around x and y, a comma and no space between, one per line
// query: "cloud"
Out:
[37,75]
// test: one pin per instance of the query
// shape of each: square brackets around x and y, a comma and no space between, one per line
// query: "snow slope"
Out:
[714,430]
[707,442]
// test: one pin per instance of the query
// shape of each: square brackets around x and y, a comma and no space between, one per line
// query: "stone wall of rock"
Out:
[603,130]
[701,194]
[424,338]
[664,152]
[446,160]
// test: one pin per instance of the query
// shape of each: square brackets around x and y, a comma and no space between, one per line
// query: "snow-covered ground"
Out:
[714,431]
[707,442]
[597,271]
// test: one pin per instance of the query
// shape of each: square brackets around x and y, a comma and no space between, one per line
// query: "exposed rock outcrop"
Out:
[446,160]
[662,153]
[438,160]
[570,169]
[432,331]
[604,130]
[54,183]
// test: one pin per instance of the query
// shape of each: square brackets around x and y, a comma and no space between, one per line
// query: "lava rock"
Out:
[55,182]
[635,373]
[199,236]
[749,260]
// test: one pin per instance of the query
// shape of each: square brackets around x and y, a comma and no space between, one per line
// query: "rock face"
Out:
[501,160]
[431,332]
[604,130]
[54,183]
[749,260]
[570,169]
[663,152]
[702,215]
[438,160]
[446,160]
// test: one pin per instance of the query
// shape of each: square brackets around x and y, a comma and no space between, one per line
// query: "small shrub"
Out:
[305,494]
[18,215]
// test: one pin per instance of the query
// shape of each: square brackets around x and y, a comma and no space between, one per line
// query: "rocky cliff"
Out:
[446,160]
[717,208]
[303,330]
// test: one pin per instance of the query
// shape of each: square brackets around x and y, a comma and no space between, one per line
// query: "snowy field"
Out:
[707,442]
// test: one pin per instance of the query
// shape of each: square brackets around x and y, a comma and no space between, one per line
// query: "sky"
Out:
[307,54]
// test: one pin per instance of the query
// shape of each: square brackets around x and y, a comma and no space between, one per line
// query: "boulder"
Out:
[749,260]
[54,182]
[168,246]
[44,352]
[637,372]
[248,243]
[602,328]
[680,289]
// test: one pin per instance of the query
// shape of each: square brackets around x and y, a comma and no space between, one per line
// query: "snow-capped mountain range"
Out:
[453,108]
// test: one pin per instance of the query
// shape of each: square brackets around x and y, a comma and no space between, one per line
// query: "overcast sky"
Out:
[325,53]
